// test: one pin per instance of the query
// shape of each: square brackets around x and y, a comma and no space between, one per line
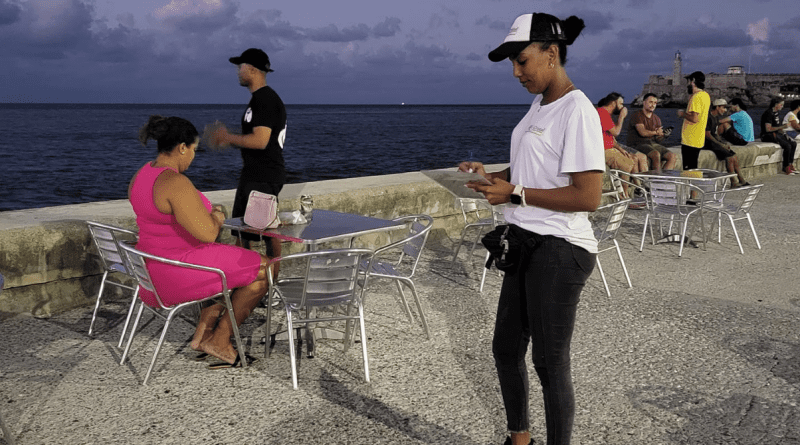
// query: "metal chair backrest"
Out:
[414,243]
[331,277]
[137,260]
[747,202]
[673,193]
[712,188]
[616,191]
[107,239]
[608,231]
[472,207]
[667,193]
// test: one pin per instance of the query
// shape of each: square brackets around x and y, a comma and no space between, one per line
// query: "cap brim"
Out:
[506,50]
[238,61]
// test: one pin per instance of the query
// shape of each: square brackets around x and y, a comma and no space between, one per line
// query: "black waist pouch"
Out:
[508,246]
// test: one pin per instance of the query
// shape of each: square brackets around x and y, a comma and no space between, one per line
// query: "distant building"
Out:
[753,89]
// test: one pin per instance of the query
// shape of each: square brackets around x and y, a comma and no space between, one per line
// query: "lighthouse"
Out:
[676,69]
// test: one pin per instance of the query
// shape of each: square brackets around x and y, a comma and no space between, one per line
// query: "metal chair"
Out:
[666,202]
[735,211]
[402,270]
[107,239]
[618,192]
[331,279]
[473,209]
[136,259]
[606,231]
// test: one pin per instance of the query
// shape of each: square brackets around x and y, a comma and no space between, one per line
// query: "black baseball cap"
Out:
[527,28]
[254,57]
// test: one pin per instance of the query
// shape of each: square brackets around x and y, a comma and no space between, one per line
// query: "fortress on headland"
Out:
[753,89]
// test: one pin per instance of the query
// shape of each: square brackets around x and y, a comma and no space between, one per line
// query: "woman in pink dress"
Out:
[178,222]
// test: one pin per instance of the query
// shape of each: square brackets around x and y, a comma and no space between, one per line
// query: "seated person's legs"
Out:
[618,161]
[243,299]
[731,135]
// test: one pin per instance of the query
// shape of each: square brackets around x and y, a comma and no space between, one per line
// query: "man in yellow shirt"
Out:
[693,133]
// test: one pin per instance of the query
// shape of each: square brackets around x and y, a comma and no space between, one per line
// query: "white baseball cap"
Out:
[527,28]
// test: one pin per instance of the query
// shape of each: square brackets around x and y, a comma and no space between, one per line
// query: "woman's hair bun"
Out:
[572,28]
[155,128]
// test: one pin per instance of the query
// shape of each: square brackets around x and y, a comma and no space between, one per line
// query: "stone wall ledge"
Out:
[50,263]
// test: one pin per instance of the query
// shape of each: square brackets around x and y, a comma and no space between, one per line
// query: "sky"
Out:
[366,51]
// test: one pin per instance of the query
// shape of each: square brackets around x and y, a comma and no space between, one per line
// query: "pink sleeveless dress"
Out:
[161,235]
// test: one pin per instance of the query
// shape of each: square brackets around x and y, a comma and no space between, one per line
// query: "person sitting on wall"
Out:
[726,129]
[793,125]
[771,132]
[722,149]
[740,124]
[645,132]
[616,156]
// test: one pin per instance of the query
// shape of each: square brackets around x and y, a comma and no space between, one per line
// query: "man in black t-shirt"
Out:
[771,132]
[261,141]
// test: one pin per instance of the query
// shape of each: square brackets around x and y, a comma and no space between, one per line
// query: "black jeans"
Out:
[538,305]
[788,145]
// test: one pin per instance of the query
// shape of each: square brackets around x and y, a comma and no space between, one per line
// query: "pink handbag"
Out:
[261,211]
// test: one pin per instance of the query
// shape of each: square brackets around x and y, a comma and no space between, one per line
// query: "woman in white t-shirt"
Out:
[554,179]
[791,121]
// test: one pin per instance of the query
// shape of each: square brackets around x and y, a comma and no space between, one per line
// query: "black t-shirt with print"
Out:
[265,109]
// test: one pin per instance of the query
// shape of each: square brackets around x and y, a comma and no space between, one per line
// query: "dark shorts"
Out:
[649,147]
[689,156]
[240,203]
[733,136]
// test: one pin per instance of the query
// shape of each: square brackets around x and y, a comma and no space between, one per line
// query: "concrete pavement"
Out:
[704,349]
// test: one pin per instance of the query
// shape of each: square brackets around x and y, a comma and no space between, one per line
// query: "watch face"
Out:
[516,199]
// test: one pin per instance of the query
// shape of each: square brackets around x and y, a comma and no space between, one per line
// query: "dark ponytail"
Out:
[572,27]
[168,131]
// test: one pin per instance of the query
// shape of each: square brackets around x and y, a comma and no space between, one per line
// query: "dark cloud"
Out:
[595,21]
[793,23]
[9,12]
[207,22]
[47,29]
[387,28]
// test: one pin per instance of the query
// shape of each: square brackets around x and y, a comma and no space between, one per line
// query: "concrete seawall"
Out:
[50,264]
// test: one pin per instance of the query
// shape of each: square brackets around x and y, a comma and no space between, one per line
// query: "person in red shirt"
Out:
[617,157]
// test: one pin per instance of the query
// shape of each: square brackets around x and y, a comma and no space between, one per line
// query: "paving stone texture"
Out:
[704,349]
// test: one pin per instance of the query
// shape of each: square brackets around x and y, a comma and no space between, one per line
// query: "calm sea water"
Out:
[57,154]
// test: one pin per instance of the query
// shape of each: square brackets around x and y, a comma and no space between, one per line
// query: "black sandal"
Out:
[236,363]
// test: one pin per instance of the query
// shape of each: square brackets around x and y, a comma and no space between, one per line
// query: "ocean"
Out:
[57,154]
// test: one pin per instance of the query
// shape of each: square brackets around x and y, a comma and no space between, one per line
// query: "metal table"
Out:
[708,180]
[325,226]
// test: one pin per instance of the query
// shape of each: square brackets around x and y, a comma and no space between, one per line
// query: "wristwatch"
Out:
[518,196]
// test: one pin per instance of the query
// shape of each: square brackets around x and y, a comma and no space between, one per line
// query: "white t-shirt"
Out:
[548,144]
[790,116]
